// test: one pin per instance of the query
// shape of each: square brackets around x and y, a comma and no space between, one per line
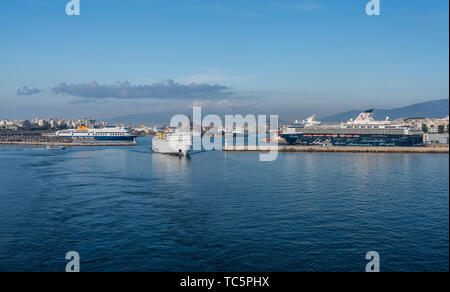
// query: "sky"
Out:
[287,57]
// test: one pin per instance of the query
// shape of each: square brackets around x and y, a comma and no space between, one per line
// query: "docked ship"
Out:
[362,131]
[83,133]
[173,141]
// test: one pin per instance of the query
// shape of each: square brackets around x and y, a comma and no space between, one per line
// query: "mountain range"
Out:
[435,109]
[432,109]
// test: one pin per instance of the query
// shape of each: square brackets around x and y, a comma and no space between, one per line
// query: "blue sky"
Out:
[292,57]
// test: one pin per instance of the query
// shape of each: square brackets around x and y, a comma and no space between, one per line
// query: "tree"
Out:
[441,129]
[424,128]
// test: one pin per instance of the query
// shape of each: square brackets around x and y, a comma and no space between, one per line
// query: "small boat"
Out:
[55,147]
[276,139]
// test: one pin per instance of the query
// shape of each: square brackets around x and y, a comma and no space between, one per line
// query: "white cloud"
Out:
[200,103]
[161,90]
[24,90]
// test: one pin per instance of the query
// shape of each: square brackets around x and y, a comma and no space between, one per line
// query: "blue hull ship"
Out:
[354,140]
[103,134]
[363,131]
[100,138]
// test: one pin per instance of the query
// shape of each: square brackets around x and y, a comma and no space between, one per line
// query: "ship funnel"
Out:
[365,117]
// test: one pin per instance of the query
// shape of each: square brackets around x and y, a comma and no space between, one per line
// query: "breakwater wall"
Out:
[49,140]
[33,139]
[348,149]
[67,144]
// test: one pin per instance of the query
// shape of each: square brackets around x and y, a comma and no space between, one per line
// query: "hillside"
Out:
[435,109]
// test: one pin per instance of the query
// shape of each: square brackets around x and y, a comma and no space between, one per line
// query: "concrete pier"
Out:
[43,144]
[348,149]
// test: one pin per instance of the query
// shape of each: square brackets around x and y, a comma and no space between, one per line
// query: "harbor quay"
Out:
[33,139]
[18,140]
[348,149]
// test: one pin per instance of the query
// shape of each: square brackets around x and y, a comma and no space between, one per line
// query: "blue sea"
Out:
[126,209]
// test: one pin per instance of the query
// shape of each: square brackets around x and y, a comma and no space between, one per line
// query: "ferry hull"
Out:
[164,147]
[84,134]
[103,138]
[354,140]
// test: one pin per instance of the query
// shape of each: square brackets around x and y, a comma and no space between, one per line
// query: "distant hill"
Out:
[437,108]
[159,118]
[434,109]
[143,119]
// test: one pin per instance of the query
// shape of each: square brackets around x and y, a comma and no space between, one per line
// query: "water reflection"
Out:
[171,165]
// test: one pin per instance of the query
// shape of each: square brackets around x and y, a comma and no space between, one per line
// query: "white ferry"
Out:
[173,141]
[104,134]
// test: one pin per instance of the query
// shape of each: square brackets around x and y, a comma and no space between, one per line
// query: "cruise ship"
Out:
[173,141]
[362,131]
[83,133]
